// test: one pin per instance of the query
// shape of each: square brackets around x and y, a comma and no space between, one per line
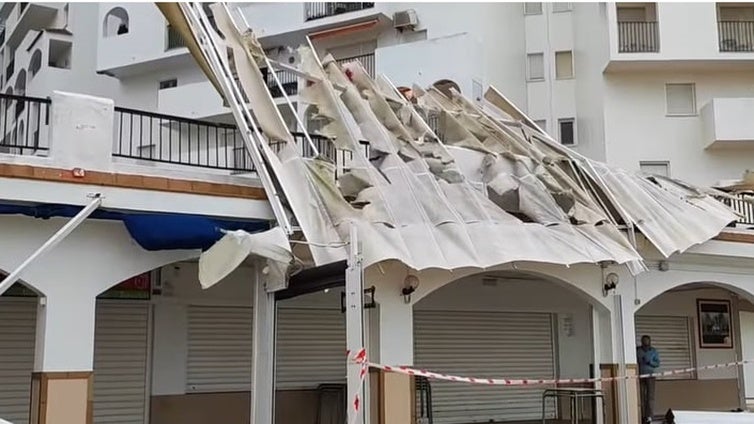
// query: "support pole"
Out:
[354,329]
[263,353]
[52,241]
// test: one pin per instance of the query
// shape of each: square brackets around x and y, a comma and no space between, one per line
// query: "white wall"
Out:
[683,303]
[637,128]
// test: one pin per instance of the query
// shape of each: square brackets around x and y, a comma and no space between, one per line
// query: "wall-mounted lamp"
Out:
[410,283]
[610,283]
[663,266]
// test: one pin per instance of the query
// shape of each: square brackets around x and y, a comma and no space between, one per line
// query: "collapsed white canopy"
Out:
[487,189]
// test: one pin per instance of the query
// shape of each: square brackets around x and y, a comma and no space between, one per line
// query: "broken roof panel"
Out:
[491,189]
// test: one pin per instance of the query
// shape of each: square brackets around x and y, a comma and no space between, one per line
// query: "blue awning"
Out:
[152,231]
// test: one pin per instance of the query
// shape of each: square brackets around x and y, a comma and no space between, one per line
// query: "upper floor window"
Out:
[735,27]
[680,99]
[637,27]
[661,168]
[171,83]
[567,131]
[115,23]
[35,64]
[535,64]
[532,8]
[564,64]
[562,7]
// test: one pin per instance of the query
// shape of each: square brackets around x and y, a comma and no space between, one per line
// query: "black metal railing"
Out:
[638,37]
[321,10]
[175,39]
[24,124]
[176,140]
[288,79]
[367,61]
[736,36]
[423,400]
[744,205]
[10,69]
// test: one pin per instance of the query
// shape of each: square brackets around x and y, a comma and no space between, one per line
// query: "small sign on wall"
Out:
[715,329]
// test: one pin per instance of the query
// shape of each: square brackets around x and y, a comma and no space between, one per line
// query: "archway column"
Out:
[64,356]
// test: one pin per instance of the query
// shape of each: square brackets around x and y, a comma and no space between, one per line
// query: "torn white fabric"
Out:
[235,246]
[473,189]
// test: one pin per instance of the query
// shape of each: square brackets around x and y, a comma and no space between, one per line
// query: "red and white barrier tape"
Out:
[534,381]
[359,358]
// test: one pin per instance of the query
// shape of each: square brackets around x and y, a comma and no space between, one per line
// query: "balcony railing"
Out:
[744,205]
[175,39]
[182,141]
[367,61]
[287,79]
[736,36]
[323,9]
[638,37]
[23,120]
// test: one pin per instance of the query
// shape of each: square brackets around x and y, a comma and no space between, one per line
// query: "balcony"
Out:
[323,9]
[744,206]
[367,61]
[736,36]
[24,124]
[727,123]
[638,37]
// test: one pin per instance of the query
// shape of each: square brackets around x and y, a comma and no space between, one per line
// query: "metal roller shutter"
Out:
[18,318]
[484,344]
[671,337]
[311,347]
[219,349]
[120,362]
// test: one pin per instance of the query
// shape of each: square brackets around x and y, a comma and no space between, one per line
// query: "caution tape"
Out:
[531,381]
[360,357]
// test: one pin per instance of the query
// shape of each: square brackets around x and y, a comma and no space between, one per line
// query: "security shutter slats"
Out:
[484,344]
[310,348]
[671,337]
[219,349]
[18,317]
[120,362]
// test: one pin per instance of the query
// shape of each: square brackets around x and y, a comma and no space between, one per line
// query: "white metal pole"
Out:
[52,242]
[354,328]
[263,352]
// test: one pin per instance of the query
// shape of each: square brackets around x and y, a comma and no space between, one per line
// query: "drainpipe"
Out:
[53,241]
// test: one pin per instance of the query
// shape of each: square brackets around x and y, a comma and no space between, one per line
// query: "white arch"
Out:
[116,22]
[654,283]
[35,64]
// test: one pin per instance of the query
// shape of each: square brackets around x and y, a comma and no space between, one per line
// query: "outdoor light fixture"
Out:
[410,283]
[611,282]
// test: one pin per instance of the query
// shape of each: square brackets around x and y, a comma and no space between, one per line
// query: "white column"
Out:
[355,330]
[624,355]
[65,330]
[597,360]
[263,354]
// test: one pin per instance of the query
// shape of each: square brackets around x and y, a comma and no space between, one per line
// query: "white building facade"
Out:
[630,84]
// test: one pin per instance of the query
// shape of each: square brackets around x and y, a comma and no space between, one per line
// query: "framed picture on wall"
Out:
[715,329]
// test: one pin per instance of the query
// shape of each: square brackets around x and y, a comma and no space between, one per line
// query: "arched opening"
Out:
[19,88]
[695,325]
[115,23]
[445,86]
[502,325]
[35,64]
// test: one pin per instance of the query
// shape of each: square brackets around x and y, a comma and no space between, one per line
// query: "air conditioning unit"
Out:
[405,20]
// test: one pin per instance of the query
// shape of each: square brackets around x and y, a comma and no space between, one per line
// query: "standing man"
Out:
[649,361]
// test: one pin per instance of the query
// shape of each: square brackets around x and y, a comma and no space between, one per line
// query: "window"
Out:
[670,336]
[567,131]
[562,7]
[116,22]
[36,62]
[680,99]
[542,124]
[532,8]
[168,84]
[536,66]
[655,168]
[564,65]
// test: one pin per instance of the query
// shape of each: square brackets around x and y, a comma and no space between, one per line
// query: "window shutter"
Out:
[670,336]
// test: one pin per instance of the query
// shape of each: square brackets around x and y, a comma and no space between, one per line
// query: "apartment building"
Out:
[646,86]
